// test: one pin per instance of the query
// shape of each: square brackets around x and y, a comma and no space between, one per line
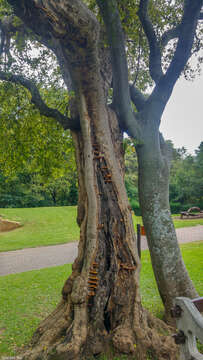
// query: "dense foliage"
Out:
[26,188]
[186,184]
[37,165]
[30,190]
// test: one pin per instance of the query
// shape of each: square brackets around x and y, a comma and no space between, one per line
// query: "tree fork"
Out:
[101,307]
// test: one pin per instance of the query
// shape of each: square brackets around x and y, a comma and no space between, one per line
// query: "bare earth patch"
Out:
[8,225]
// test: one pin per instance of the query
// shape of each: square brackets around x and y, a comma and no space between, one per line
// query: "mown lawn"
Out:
[41,227]
[50,226]
[26,298]
[179,223]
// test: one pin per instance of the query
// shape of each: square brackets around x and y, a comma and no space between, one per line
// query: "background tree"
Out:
[186,180]
[131,175]
[199,174]
[185,188]
[37,157]
[27,189]
[101,301]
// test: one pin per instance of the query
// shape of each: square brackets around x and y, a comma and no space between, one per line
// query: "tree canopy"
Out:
[152,35]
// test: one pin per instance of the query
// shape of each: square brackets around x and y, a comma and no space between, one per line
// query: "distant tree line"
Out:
[30,190]
[186,179]
[27,188]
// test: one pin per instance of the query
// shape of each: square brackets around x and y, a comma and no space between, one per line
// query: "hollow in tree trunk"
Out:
[100,310]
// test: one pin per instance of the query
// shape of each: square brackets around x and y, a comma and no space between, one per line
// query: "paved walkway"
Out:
[18,261]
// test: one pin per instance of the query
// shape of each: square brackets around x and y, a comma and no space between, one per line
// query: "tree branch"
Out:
[2,39]
[169,35]
[36,99]
[139,56]
[137,98]
[155,51]
[187,32]
[7,29]
[5,34]
[50,19]
[121,93]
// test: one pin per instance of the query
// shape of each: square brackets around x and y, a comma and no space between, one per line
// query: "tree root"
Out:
[59,338]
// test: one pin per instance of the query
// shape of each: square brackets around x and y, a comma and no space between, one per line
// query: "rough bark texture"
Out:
[101,308]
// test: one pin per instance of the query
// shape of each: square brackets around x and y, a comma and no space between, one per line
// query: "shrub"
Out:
[135,207]
[176,208]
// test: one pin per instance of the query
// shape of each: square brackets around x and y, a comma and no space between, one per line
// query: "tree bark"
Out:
[154,169]
[100,311]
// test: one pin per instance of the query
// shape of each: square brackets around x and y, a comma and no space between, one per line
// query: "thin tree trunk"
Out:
[170,272]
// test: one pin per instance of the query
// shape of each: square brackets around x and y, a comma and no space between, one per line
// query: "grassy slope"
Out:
[27,297]
[41,226]
[49,226]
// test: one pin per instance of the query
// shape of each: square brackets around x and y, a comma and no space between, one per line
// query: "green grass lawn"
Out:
[28,297]
[50,226]
[41,227]
[180,223]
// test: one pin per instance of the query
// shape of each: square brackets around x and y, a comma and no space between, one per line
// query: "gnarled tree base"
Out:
[60,338]
[100,312]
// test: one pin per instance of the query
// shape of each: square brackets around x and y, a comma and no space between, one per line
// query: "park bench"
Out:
[189,213]
[189,322]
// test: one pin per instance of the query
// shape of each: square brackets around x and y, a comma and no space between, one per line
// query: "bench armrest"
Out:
[189,322]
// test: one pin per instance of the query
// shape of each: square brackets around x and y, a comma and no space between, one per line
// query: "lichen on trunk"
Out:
[169,269]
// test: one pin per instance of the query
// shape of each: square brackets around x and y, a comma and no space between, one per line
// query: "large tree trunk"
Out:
[101,310]
[154,167]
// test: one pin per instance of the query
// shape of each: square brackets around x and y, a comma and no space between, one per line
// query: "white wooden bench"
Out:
[189,323]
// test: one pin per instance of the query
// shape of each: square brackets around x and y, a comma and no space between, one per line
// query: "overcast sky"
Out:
[182,121]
